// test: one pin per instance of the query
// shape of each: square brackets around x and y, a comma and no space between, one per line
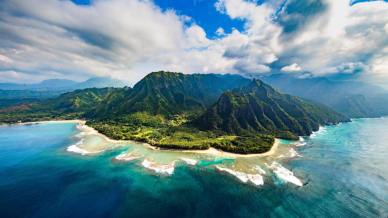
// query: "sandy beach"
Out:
[211,151]
[216,152]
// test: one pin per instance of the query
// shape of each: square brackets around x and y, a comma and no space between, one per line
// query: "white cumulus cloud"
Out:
[127,39]
[291,68]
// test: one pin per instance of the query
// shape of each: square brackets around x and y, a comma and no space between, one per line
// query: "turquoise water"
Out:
[344,168]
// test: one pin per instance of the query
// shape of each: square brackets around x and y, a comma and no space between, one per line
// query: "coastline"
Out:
[209,151]
[53,121]
[216,152]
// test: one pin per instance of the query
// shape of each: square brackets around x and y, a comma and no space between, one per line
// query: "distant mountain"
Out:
[100,82]
[72,104]
[64,84]
[258,108]
[56,84]
[13,94]
[168,93]
[197,111]
[354,99]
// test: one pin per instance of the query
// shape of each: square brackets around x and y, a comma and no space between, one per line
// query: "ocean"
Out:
[343,170]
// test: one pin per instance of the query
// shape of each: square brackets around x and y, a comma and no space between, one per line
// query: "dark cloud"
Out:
[294,14]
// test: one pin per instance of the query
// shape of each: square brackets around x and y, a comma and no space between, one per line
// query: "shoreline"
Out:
[217,152]
[209,151]
[53,121]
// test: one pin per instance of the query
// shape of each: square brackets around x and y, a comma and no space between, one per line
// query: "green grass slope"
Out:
[258,108]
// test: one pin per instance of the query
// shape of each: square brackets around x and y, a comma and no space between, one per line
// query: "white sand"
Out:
[216,152]
[210,151]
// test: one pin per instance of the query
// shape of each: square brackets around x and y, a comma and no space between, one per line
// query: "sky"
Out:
[126,39]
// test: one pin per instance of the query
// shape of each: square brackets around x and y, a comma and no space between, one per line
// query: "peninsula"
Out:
[186,111]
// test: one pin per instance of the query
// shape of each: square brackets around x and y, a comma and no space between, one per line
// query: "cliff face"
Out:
[258,108]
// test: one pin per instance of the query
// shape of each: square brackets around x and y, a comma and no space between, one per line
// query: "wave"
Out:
[75,149]
[321,130]
[159,168]
[260,170]
[284,174]
[88,141]
[189,161]
[256,179]
[127,156]
[301,142]
[293,153]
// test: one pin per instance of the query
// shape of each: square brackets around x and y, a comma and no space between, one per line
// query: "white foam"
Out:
[293,153]
[256,179]
[74,148]
[127,157]
[301,142]
[285,174]
[321,130]
[159,168]
[260,170]
[189,161]
[85,130]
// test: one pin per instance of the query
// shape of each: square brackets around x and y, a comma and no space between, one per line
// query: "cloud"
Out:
[12,76]
[340,36]
[106,38]
[220,31]
[257,47]
[386,28]
[127,39]
[291,68]
[4,59]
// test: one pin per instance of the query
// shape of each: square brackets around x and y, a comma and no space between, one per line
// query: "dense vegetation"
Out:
[260,108]
[70,105]
[168,93]
[175,134]
[174,110]
[16,94]
[351,98]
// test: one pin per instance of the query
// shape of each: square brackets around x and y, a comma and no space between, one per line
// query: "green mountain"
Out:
[57,85]
[69,105]
[17,94]
[351,98]
[175,110]
[168,93]
[258,108]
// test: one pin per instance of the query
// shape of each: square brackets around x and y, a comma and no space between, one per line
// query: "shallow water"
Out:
[344,170]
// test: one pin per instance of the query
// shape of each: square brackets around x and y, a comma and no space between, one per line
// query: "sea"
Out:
[339,171]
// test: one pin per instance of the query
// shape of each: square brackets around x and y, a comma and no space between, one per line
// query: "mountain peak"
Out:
[258,108]
[163,74]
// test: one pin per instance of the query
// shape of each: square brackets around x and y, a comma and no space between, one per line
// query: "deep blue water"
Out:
[345,169]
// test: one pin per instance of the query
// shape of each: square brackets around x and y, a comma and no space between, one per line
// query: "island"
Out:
[186,111]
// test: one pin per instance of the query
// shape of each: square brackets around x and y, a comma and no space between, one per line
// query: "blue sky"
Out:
[203,13]
[43,39]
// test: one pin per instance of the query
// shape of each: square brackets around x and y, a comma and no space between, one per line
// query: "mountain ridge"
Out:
[64,84]
[354,99]
[180,111]
[170,93]
[260,108]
